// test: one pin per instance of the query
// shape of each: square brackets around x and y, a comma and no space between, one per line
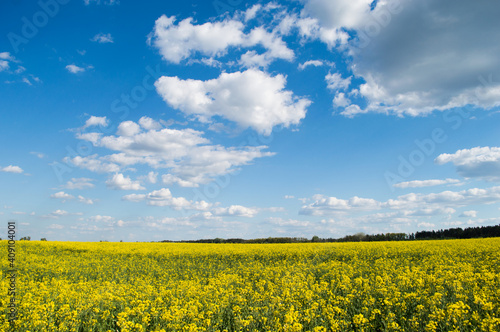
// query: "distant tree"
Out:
[43,239]
[359,236]
[315,238]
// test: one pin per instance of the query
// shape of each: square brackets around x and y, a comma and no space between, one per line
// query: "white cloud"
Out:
[425,183]
[289,197]
[99,218]
[349,14]
[103,38]
[12,169]
[152,177]
[336,82]
[179,42]
[478,162]
[75,69]
[412,204]
[6,56]
[314,63]
[446,199]
[188,156]
[330,205]
[236,211]
[149,124]
[96,121]
[79,183]
[341,100]
[84,200]
[163,197]
[134,197]
[62,195]
[56,214]
[4,65]
[251,12]
[92,164]
[468,214]
[171,179]
[128,128]
[251,99]
[120,182]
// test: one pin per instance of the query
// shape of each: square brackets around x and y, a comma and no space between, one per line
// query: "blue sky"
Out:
[155,120]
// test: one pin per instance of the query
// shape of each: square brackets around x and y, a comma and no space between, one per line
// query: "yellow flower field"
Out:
[386,286]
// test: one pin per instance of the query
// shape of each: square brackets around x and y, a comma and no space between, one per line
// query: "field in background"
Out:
[388,286]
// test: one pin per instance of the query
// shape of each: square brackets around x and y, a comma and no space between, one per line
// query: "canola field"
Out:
[451,285]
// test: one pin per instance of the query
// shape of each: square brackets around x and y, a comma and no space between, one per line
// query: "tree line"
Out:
[451,233]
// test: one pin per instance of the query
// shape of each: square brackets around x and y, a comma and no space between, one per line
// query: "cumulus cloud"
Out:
[171,179]
[120,182]
[5,59]
[96,121]
[79,183]
[468,214]
[336,82]
[134,197]
[425,183]
[163,197]
[74,69]
[478,162]
[56,214]
[323,205]
[236,211]
[62,195]
[12,169]
[341,100]
[99,218]
[128,128]
[103,38]
[84,200]
[412,204]
[92,163]
[348,14]
[252,99]
[149,124]
[4,65]
[189,157]
[180,41]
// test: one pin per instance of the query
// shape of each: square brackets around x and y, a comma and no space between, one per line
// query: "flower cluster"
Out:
[386,286]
